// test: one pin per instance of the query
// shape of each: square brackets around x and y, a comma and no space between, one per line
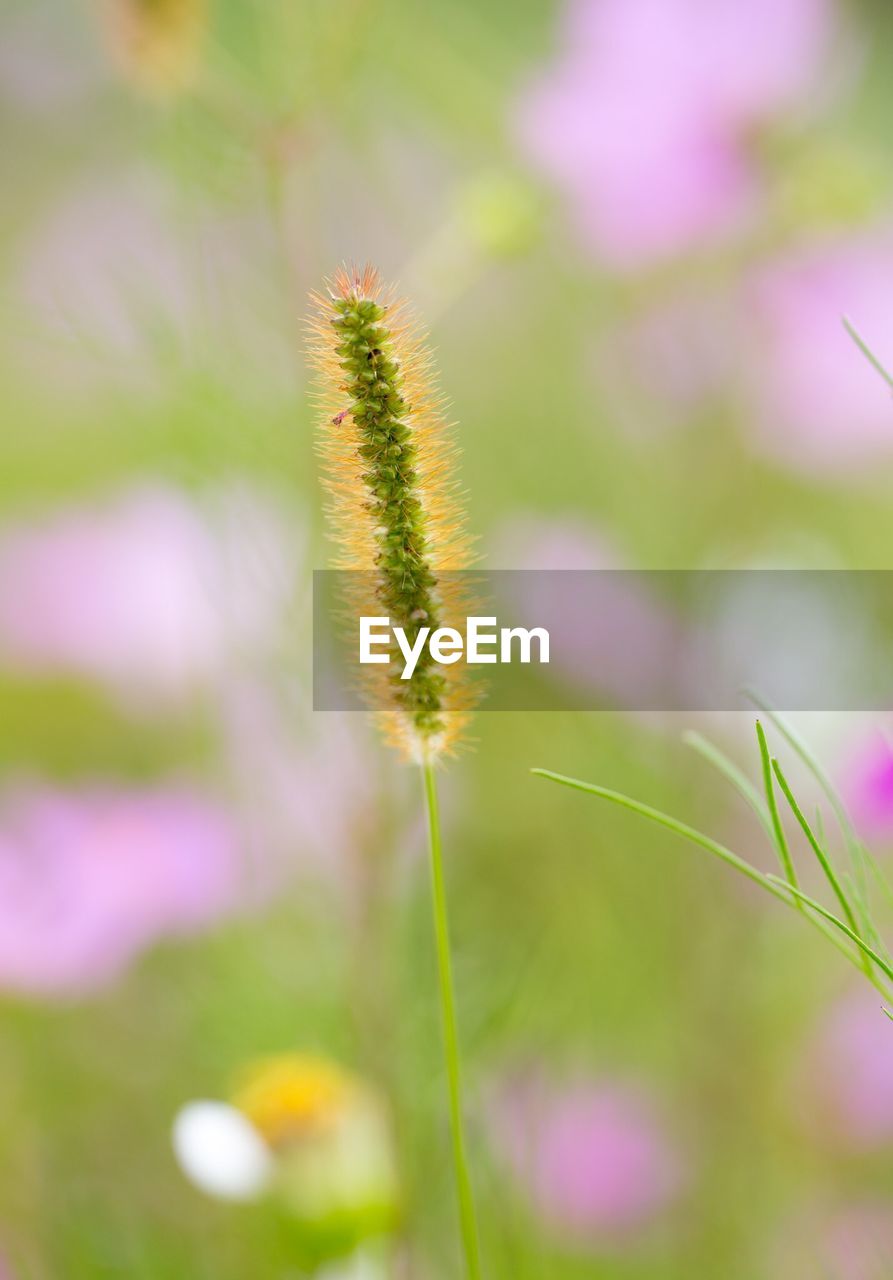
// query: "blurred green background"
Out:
[172,193]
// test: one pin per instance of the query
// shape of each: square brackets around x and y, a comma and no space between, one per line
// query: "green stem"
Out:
[450,1034]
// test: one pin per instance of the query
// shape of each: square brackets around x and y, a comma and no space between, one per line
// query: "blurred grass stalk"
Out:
[867,352]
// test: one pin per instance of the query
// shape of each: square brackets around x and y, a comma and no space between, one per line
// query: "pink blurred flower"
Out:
[845,1242]
[616,639]
[122,285]
[644,119]
[592,1156]
[848,1072]
[542,542]
[660,366]
[89,879]
[868,786]
[148,594]
[816,401]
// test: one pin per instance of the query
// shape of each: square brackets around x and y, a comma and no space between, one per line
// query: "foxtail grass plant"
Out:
[851,924]
[394,503]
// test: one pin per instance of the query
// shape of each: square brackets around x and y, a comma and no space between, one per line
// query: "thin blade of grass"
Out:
[769,882]
[730,771]
[792,737]
[824,861]
[860,857]
[779,838]
[820,825]
[822,857]
[867,352]
[867,927]
[868,951]
[664,820]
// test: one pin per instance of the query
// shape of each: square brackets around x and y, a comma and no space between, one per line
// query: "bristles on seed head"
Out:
[393,497]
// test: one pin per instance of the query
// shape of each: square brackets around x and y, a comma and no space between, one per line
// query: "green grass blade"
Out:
[881,880]
[730,771]
[789,733]
[868,951]
[772,884]
[664,820]
[820,825]
[860,856]
[867,926]
[823,859]
[779,838]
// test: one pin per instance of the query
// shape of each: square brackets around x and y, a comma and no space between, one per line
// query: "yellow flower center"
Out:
[293,1095]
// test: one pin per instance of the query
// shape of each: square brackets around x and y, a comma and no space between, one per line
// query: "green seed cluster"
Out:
[380,413]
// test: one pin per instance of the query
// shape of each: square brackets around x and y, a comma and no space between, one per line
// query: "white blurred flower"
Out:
[152,593]
[313,1138]
[221,1152]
